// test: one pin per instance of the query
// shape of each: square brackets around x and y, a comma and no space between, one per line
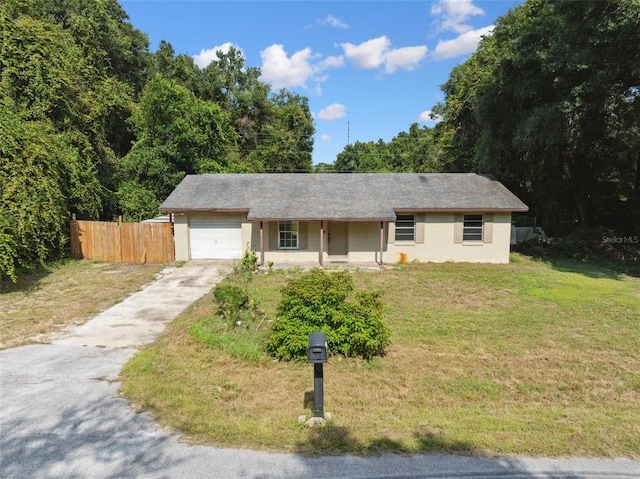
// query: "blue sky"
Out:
[369,68]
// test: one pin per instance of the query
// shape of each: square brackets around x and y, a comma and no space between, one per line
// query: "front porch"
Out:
[324,242]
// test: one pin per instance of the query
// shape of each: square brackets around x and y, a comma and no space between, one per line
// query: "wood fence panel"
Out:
[131,247]
[105,241]
[126,242]
[158,239]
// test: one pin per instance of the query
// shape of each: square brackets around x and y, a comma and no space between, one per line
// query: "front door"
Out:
[337,239]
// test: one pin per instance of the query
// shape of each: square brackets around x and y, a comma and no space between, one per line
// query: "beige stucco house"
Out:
[324,218]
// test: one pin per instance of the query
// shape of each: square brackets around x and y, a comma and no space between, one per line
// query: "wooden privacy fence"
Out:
[122,242]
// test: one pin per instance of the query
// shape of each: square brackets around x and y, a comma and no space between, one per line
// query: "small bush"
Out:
[248,263]
[237,328]
[231,301]
[318,302]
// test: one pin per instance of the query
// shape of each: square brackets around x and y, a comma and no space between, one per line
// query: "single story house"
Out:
[323,218]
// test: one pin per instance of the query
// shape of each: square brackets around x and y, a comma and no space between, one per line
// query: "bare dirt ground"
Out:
[62,297]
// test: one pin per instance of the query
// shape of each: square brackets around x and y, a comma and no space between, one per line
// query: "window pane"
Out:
[405,228]
[288,234]
[472,230]
[472,235]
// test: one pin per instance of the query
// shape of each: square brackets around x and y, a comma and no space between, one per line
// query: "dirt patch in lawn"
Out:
[61,297]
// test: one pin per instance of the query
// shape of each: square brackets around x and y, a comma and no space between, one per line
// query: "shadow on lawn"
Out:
[436,457]
[28,281]
[596,269]
[336,440]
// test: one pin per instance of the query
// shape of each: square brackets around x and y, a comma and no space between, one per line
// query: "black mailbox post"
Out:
[317,355]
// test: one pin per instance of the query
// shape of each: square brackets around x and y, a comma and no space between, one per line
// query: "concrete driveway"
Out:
[61,417]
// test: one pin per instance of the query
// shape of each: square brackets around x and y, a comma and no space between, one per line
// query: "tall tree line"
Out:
[417,150]
[93,123]
[550,104]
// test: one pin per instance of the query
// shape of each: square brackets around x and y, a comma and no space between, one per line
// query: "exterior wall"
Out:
[307,253]
[434,241]
[181,236]
[439,245]
[364,242]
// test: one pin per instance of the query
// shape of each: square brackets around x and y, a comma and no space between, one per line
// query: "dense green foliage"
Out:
[550,104]
[417,151]
[93,123]
[317,301]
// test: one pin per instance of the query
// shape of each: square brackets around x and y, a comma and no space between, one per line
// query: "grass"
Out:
[518,359]
[63,295]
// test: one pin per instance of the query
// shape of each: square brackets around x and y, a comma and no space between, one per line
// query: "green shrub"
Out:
[317,301]
[237,327]
[248,263]
[231,301]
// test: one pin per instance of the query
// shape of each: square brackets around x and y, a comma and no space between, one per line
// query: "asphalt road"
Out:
[61,417]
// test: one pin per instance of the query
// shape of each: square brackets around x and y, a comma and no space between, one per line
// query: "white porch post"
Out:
[381,241]
[321,258]
[261,244]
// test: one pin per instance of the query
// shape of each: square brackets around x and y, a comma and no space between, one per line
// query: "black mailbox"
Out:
[317,351]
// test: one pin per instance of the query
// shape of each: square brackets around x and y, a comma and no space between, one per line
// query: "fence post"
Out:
[121,239]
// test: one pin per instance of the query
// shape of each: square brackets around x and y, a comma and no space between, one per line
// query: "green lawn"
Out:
[525,358]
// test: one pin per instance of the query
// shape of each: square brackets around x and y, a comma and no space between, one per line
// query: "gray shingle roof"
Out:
[346,197]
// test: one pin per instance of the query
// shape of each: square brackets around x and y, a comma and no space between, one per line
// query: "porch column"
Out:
[261,244]
[321,259]
[381,241]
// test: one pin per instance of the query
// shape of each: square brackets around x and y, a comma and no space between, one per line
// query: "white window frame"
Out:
[405,226]
[288,235]
[473,228]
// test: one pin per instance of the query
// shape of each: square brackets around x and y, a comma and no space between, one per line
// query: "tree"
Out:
[239,92]
[178,134]
[33,192]
[76,64]
[550,104]
[287,141]
[415,151]
[48,141]
[362,157]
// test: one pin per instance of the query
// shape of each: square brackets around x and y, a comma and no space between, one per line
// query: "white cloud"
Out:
[369,54]
[406,58]
[207,56]
[429,117]
[329,62]
[377,52]
[462,45]
[284,72]
[326,138]
[332,112]
[453,13]
[333,22]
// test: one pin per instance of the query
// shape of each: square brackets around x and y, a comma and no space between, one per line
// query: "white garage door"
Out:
[215,237]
